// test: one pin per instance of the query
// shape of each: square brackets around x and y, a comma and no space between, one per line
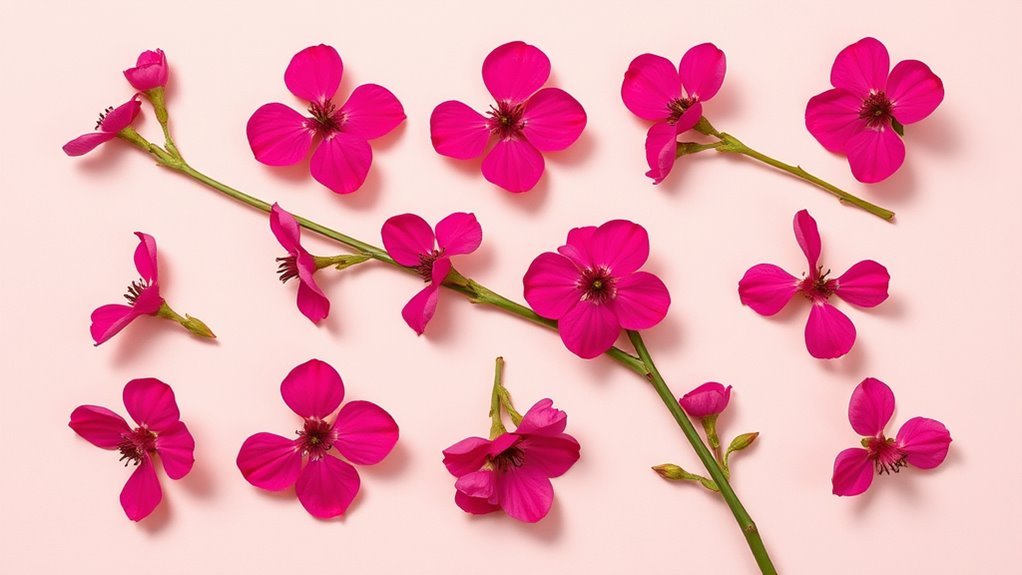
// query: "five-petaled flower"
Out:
[654,89]
[829,333]
[111,123]
[513,470]
[593,289]
[362,432]
[299,263]
[280,136]
[159,430]
[863,116]
[411,242]
[921,442]
[150,71]
[525,121]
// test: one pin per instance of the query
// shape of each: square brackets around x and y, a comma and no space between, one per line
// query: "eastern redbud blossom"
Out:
[112,122]
[706,400]
[150,71]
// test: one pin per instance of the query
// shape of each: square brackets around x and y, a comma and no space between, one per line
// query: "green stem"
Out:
[705,456]
[496,422]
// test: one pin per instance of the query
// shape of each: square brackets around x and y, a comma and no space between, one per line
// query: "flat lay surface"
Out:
[946,341]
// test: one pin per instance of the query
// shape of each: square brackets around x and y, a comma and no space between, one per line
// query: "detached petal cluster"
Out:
[143,295]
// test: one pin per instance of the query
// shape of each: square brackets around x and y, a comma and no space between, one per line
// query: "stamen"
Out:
[510,458]
[316,438]
[326,122]
[103,115]
[425,267]
[506,120]
[135,289]
[135,444]
[876,110]
[597,285]
[288,268]
[677,108]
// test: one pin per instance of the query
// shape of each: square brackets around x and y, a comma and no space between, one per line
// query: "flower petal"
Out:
[864,284]
[871,407]
[270,461]
[109,319]
[406,237]
[459,233]
[150,71]
[875,155]
[514,71]
[466,456]
[142,493]
[702,71]
[543,419]
[642,300]
[87,142]
[285,229]
[861,68]
[808,237]
[278,135]
[314,73]
[150,402]
[515,165]
[550,455]
[122,116]
[661,150]
[924,441]
[474,505]
[371,112]
[829,333]
[853,472]
[478,484]
[915,91]
[833,118]
[313,389]
[458,131]
[98,425]
[327,487]
[525,494]
[420,309]
[553,120]
[589,330]
[767,288]
[551,285]
[311,300]
[341,162]
[176,448]
[620,245]
[710,398]
[365,432]
[651,83]
[145,258]
[576,248]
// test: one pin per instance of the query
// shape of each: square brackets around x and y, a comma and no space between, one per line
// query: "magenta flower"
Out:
[159,430]
[864,115]
[298,264]
[111,122]
[525,121]
[920,442]
[280,136]
[411,242]
[593,289]
[709,399]
[653,89]
[362,432]
[767,288]
[512,471]
[150,71]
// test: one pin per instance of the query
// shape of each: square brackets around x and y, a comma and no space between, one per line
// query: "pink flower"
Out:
[362,432]
[709,399]
[767,288]
[512,471]
[653,89]
[149,402]
[920,442]
[298,263]
[593,289]
[111,122]
[280,136]
[526,120]
[410,241]
[143,295]
[150,71]
[863,116]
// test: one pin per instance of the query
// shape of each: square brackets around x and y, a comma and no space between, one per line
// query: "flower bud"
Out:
[742,441]
[708,399]
[195,325]
[150,71]
[672,472]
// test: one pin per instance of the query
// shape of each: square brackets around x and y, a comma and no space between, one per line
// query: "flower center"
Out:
[135,444]
[288,268]
[876,110]
[597,285]
[103,115]
[506,120]
[677,108]
[316,438]
[425,267]
[888,457]
[135,289]
[325,120]
[510,458]
[818,287]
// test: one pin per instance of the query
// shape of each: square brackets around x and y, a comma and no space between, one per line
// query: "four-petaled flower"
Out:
[512,471]
[159,430]
[280,136]
[525,121]
[593,289]
[920,442]
[863,116]
[150,71]
[111,122]
[411,242]
[829,333]
[362,432]
[299,263]
[653,89]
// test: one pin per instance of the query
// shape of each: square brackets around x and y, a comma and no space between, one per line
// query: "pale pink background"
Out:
[947,341]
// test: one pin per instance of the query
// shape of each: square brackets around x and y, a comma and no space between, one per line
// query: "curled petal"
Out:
[109,319]
[311,300]
[525,494]
[808,237]
[702,71]
[864,284]
[87,142]
[690,118]
[651,83]
[458,131]
[151,403]
[642,300]
[176,448]
[459,233]
[874,155]
[327,487]
[142,493]
[406,237]
[366,433]
[278,135]
[313,389]
[833,118]
[710,398]
[270,461]
[551,285]
[314,73]
[576,248]
[589,330]
[341,162]
[478,484]
[861,68]
[924,441]
[767,288]
[553,120]
[661,150]
[620,245]
[285,229]
[550,455]
[145,258]
[474,505]
[829,333]
[420,309]
[466,456]
[122,116]
[514,71]
[371,112]
[515,165]
[914,90]
[871,407]
[99,426]
[543,419]
[853,472]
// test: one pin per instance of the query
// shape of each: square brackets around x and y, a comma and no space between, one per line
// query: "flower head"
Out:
[863,116]
[361,431]
[591,286]
[298,264]
[525,121]
[150,71]
[280,136]
[513,470]
[111,122]
[767,288]
[143,295]
[920,442]
[709,399]
[412,243]
[158,430]
[653,89]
